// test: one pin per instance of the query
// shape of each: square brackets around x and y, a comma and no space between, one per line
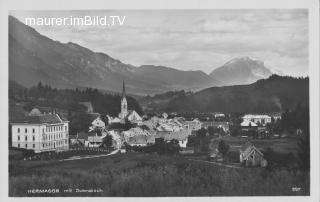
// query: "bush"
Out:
[160,147]
[233,157]
[20,153]
[223,147]
[277,159]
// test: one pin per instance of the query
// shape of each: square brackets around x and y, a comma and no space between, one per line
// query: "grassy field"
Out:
[281,145]
[136,174]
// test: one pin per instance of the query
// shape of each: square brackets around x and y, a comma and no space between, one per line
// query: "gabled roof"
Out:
[82,135]
[249,149]
[141,139]
[224,124]
[172,135]
[43,119]
[136,132]
[130,112]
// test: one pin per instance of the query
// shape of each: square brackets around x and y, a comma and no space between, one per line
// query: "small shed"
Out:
[252,156]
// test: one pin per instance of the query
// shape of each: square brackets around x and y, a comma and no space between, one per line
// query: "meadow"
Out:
[138,174]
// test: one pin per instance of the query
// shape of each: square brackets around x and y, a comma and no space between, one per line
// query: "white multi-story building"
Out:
[193,125]
[48,132]
[257,118]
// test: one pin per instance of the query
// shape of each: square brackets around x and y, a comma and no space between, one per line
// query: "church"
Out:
[125,114]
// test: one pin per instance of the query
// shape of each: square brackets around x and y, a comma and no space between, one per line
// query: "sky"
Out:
[191,39]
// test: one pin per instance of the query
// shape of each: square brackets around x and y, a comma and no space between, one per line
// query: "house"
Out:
[193,125]
[246,123]
[117,139]
[181,136]
[252,156]
[113,120]
[98,123]
[78,140]
[40,132]
[216,124]
[135,132]
[138,137]
[74,142]
[140,140]
[164,115]
[95,141]
[133,117]
[259,119]
[219,115]
[275,115]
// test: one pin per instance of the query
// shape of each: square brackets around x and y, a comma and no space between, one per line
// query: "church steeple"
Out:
[124,105]
[123,90]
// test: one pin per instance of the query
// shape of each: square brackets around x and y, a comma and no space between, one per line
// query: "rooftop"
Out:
[42,119]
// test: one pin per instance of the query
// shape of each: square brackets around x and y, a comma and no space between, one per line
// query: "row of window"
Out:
[54,144]
[26,146]
[26,138]
[59,143]
[45,137]
[52,136]
[48,129]
[55,128]
[26,130]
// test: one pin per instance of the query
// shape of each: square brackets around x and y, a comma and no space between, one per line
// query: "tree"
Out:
[107,142]
[304,151]
[79,122]
[144,127]
[235,127]
[211,130]
[159,145]
[223,147]
[268,155]
[192,141]
[201,133]
[173,147]
[105,119]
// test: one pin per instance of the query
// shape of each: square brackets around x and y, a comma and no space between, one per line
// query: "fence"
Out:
[65,154]
[87,149]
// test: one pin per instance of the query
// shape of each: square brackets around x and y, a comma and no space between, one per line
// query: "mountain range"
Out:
[34,57]
[241,71]
[276,93]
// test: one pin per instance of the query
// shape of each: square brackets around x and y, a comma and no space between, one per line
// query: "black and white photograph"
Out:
[187,102]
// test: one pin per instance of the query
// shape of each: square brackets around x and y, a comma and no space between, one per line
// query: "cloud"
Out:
[195,39]
[224,26]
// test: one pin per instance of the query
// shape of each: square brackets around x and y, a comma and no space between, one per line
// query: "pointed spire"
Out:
[123,90]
